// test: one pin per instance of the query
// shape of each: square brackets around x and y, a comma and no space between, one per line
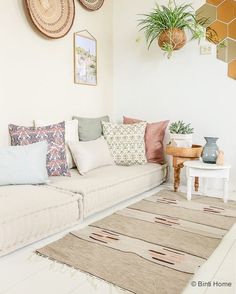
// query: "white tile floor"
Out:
[24,273]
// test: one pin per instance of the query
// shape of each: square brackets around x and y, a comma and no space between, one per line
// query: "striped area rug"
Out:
[153,246]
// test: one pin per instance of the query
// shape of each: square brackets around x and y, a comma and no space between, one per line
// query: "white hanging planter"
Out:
[181,140]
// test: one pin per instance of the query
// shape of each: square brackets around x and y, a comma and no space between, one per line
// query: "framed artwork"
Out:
[85,59]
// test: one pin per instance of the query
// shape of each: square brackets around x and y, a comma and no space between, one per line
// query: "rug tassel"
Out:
[64,269]
[92,280]
[73,272]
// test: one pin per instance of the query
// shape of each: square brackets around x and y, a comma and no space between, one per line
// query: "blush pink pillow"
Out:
[154,137]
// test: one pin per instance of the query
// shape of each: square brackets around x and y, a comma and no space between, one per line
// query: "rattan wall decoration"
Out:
[53,18]
[92,4]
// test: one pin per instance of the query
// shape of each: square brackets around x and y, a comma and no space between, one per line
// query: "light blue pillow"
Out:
[22,165]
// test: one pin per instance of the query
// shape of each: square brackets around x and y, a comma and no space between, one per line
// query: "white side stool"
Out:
[197,168]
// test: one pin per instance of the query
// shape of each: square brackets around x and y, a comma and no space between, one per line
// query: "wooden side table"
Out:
[206,170]
[180,155]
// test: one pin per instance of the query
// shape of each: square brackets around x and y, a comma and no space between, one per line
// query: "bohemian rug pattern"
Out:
[153,246]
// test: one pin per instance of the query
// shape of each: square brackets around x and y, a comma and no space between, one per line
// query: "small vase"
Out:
[210,150]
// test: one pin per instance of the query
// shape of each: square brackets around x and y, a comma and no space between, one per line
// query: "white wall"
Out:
[187,87]
[36,74]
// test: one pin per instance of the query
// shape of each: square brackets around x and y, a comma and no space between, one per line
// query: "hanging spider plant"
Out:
[169,23]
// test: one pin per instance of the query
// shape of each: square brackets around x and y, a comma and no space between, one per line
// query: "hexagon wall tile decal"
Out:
[226,11]
[221,29]
[232,70]
[226,51]
[231,52]
[222,52]
[232,29]
[217,32]
[207,11]
[215,2]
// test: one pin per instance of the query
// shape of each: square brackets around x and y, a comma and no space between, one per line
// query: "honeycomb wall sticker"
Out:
[220,16]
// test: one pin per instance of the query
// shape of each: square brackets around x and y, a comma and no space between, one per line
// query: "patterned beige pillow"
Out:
[126,142]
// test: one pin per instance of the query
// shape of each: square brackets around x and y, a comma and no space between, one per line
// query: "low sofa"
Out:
[29,213]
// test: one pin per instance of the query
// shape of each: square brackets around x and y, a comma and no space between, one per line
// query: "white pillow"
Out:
[91,154]
[71,135]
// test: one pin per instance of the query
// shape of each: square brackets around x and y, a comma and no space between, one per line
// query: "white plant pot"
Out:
[181,140]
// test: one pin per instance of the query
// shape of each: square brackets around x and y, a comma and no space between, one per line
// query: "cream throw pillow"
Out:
[71,134]
[126,142]
[91,154]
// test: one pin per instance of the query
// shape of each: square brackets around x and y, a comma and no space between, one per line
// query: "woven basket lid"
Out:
[53,18]
[92,4]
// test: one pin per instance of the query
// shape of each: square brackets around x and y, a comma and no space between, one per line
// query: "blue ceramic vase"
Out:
[210,150]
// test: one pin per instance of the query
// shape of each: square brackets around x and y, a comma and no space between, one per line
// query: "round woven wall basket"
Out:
[53,18]
[92,4]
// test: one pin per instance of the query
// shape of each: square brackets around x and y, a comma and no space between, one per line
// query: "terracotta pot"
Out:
[175,37]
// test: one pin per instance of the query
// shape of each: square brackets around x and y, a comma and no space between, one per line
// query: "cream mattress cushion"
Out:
[29,213]
[106,186]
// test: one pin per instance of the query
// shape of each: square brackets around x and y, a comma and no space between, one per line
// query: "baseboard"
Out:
[209,192]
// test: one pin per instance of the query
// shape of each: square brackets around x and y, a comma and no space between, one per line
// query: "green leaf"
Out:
[180,128]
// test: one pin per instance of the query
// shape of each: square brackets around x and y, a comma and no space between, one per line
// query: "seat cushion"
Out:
[106,186]
[30,213]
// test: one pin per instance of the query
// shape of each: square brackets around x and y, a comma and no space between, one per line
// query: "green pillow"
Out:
[90,128]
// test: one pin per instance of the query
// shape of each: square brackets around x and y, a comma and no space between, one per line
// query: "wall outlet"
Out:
[205,50]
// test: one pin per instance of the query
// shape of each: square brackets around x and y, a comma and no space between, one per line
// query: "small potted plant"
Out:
[168,24]
[181,134]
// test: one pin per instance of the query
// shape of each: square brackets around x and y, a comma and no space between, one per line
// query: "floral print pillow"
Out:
[54,135]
